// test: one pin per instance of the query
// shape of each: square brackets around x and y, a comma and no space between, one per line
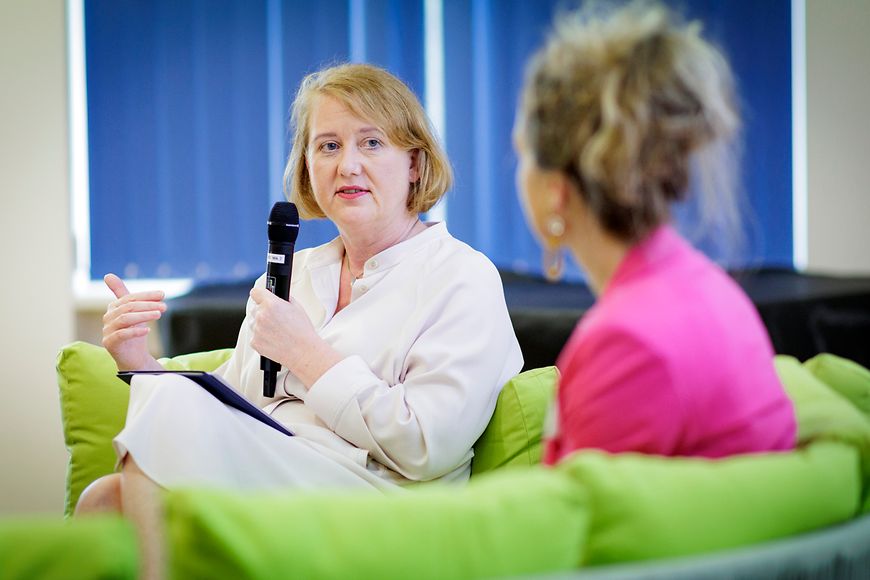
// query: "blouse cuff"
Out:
[337,387]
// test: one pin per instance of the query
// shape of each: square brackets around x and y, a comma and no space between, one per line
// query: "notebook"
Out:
[219,390]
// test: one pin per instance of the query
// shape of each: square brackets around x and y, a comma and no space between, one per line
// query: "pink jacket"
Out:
[672,360]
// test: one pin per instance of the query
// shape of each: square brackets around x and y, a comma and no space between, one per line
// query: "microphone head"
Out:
[283,222]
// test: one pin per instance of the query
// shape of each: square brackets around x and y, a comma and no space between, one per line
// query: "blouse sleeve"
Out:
[425,425]
[615,394]
[231,369]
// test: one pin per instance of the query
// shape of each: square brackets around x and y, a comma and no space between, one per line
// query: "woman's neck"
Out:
[598,252]
[359,247]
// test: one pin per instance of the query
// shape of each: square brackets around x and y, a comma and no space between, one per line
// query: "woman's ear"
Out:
[558,193]
[414,173]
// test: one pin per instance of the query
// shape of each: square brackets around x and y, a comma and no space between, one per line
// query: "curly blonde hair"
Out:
[373,94]
[622,101]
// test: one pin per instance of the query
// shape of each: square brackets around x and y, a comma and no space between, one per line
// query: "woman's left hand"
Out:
[283,332]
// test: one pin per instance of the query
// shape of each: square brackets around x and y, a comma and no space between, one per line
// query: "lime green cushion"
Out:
[513,436]
[646,507]
[509,522]
[93,404]
[94,547]
[94,407]
[824,414]
[844,376]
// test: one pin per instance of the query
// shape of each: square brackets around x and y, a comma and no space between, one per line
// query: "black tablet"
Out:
[219,390]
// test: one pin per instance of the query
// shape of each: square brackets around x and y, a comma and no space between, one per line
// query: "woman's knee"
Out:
[102,495]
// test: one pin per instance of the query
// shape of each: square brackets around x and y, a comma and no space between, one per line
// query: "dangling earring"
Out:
[554,264]
[553,257]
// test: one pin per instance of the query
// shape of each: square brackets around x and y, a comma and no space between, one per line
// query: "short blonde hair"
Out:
[621,101]
[375,95]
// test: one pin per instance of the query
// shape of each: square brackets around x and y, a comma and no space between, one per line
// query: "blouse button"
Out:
[373,264]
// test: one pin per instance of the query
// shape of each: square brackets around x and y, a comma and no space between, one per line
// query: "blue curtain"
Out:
[176,130]
[487,44]
[188,108]
[188,105]
[756,37]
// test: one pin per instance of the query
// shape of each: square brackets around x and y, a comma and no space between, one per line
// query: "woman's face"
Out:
[358,177]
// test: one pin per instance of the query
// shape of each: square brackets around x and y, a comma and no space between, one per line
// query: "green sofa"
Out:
[597,515]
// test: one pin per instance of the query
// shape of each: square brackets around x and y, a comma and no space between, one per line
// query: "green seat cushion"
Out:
[844,376]
[93,547]
[647,507]
[93,404]
[513,436]
[508,522]
[824,414]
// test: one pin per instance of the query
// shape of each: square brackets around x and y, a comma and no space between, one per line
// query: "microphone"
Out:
[283,227]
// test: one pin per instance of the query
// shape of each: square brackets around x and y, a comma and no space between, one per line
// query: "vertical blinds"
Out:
[182,117]
[188,105]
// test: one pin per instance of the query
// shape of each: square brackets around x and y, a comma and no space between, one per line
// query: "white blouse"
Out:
[428,344]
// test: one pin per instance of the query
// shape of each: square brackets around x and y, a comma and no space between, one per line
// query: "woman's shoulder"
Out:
[458,266]
[448,252]
[601,333]
[672,286]
[445,268]
[693,316]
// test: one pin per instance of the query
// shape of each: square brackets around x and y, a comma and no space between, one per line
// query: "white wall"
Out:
[838,135]
[36,306]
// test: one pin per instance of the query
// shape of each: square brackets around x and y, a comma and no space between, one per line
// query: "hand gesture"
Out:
[125,325]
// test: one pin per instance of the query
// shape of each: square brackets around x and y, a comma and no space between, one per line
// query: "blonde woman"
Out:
[394,345]
[673,358]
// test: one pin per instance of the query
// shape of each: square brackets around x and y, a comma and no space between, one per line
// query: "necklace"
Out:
[353,278]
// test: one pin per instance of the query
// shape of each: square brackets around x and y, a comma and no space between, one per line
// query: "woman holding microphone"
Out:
[394,344]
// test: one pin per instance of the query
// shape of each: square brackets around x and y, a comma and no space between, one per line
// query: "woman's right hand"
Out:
[125,325]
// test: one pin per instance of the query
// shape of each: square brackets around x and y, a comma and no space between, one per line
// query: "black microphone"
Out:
[283,226]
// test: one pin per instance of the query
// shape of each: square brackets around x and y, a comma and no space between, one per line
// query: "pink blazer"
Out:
[673,359]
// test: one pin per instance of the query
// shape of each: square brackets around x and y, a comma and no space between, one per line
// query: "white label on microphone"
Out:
[275,258]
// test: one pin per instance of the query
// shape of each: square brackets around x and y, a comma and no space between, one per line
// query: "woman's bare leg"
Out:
[140,501]
[137,497]
[101,496]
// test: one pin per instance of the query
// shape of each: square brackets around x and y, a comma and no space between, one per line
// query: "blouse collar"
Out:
[333,252]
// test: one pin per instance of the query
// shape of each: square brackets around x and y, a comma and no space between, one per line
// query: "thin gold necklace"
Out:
[347,260]
[353,278]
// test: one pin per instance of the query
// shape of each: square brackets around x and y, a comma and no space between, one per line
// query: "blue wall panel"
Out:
[183,116]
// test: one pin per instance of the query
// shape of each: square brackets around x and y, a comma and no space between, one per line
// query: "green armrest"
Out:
[846,377]
[823,414]
[50,548]
[513,436]
[93,408]
[646,507]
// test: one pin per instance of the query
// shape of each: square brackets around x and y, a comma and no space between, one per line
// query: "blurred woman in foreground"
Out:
[673,358]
